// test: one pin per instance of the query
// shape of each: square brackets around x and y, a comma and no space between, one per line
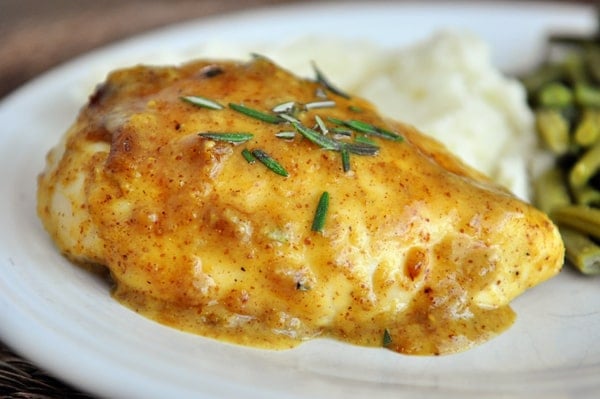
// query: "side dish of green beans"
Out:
[564,93]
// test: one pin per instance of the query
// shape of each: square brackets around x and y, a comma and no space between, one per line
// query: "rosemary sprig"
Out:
[269,162]
[325,82]
[229,137]
[269,118]
[202,102]
[321,212]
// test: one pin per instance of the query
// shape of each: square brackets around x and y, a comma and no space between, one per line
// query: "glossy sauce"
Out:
[417,247]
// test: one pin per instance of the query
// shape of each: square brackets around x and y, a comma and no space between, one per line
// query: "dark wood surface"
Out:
[36,35]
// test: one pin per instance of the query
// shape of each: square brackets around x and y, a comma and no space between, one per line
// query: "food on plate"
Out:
[565,94]
[445,84]
[238,201]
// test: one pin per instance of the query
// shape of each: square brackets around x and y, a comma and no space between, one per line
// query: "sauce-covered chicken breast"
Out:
[198,187]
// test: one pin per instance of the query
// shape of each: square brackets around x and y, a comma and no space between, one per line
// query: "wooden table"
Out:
[37,35]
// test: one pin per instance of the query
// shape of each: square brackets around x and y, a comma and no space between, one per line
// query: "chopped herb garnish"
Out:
[361,148]
[336,121]
[202,102]
[355,108]
[229,137]
[285,135]
[316,137]
[321,125]
[345,159]
[321,212]
[342,131]
[319,104]
[248,156]
[269,162]
[325,82]
[269,118]
[387,338]
[289,118]
[361,138]
[367,128]
[285,107]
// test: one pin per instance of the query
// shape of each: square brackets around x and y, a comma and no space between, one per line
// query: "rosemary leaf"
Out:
[285,107]
[321,125]
[345,159]
[361,148]
[367,128]
[248,156]
[321,212]
[316,137]
[319,104]
[289,118]
[202,102]
[342,131]
[325,82]
[269,118]
[364,139]
[270,162]
[285,135]
[229,137]
[336,121]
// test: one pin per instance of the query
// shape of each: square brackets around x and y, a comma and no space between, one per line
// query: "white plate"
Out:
[64,319]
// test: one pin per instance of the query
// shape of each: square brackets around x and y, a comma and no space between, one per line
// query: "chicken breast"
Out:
[197,187]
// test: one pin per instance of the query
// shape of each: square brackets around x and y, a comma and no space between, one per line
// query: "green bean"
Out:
[578,217]
[564,94]
[588,129]
[555,95]
[550,191]
[554,130]
[585,167]
[586,195]
[586,95]
[580,251]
